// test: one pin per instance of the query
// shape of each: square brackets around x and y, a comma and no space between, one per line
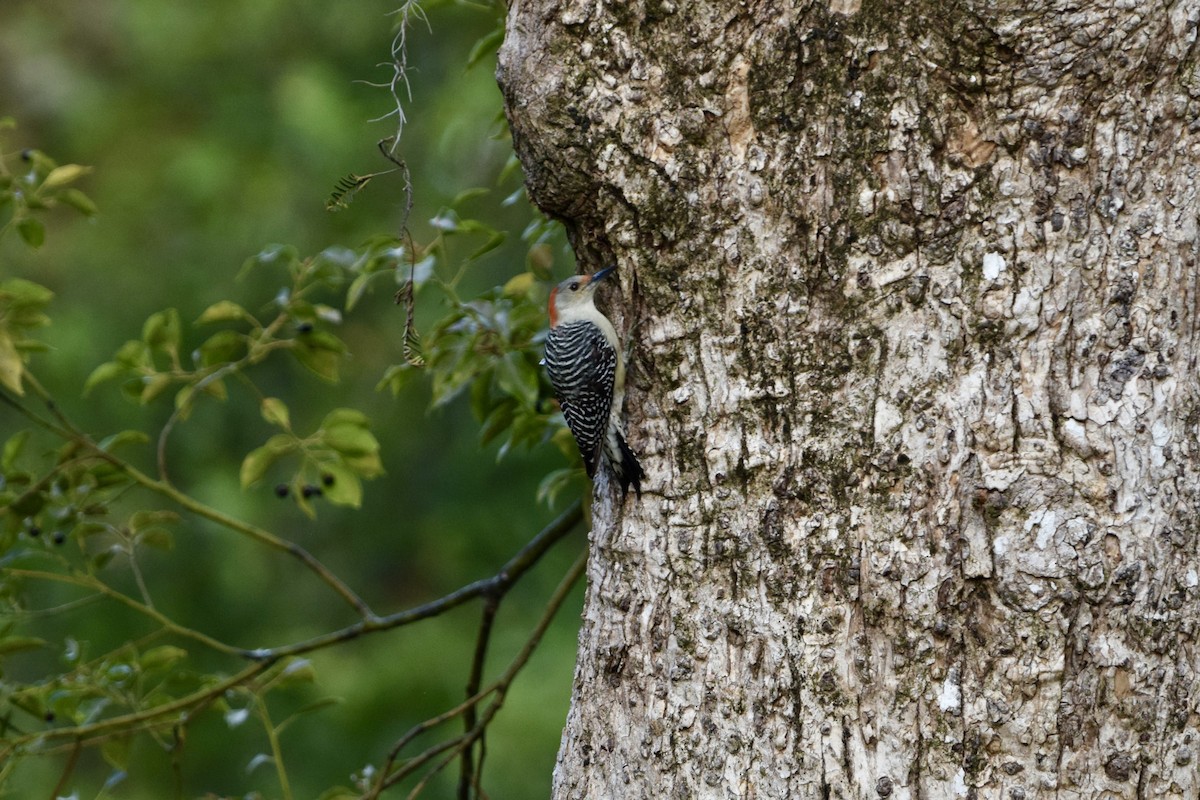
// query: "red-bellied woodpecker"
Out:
[583,360]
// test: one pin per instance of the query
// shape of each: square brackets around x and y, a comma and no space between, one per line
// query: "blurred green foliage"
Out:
[266,383]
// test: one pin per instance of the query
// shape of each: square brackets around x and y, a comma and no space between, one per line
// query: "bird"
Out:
[584,364]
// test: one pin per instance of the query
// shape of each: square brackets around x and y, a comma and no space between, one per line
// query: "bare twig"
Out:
[103,589]
[490,607]
[388,778]
[517,566]
[72,760]
[181,409]
[264,716]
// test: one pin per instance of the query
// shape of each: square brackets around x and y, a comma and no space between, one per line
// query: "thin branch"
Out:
[276,751]
[517,566]
[103,589]
[140,718]
[254,353]
[258,534]
[477,662]
[37,613]
[140,579]
[70,433]
[387,147]
[466,741]
[182,408]
[61,786]
[500,687]
[51,404]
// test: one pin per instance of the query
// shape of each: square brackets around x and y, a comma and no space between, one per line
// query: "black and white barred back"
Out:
[582,364]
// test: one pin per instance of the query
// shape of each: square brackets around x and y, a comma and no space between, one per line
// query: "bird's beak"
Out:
[601,275]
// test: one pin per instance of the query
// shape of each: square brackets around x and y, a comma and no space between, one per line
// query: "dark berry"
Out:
[59,537]
[34,531]
[49,716]
[327,479]
[281,490]
[304,327]
[311,491]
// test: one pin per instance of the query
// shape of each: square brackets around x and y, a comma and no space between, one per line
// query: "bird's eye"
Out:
[574,286]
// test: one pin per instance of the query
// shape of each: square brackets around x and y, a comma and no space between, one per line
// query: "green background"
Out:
[216,128]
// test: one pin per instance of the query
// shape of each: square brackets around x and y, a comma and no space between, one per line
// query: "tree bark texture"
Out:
[913,295]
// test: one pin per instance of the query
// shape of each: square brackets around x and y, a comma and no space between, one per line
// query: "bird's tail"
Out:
[629,471]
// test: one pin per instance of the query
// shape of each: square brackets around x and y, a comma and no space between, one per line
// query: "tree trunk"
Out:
[913,293]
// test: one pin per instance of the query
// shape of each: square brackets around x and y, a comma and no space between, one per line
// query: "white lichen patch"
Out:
[993,265]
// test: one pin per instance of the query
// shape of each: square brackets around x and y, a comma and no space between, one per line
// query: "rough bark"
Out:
[913,294]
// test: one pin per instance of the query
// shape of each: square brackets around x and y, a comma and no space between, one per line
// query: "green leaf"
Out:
[518,377]
[162,331]
[11,365]
[346,416]
[554,483]
[21,293]
[85,529]
[420,272]
[215,389]
[541,261]
[351,440]
[105,372]
[221,348]
[396,377]
[257,461]
[255,465]
[153,386]
[527,429]
[79,201]
[28,504]
[329,314]
[158,538]
[468,194]
[275,412]
[494,240]
[321,352]
[340,793]
[222,311]
[133,354]
[347,430]
[32,345]
[368,466]
[497,422]
[519,285]
[32,231]
[446,222]
[346,489]
[485,46]
[111,443]
[482,398]
[357,287]
[116,752]
[304,504]
[143,519]
[12,449]
[19,644]
[162,657]
[271,256]
[564,441]
[67,173]
[296,671]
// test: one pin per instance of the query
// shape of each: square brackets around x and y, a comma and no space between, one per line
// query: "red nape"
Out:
[553,310]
